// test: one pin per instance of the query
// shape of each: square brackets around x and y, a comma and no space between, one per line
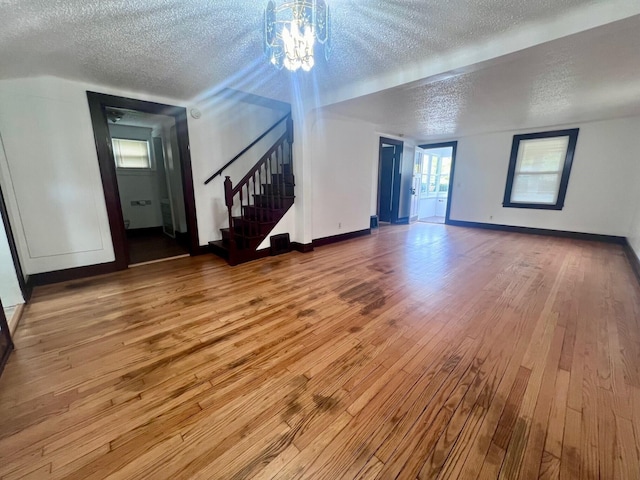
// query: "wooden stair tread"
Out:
[219,248]
[227,231]
[274,181]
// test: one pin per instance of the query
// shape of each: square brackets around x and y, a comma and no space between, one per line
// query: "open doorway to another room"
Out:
[149,178]
[432,174]
[145,165]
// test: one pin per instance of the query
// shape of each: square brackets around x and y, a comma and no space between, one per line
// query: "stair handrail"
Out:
[230,191]
[251,145]
[259,164]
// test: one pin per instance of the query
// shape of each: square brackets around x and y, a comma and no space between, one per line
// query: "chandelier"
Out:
[291,31]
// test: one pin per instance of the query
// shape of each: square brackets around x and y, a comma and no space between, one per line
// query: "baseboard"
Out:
[302,247]
[633,259]
[57,276]
[402,221]
[28,289]
[202,250]
[320,242]
[541,231]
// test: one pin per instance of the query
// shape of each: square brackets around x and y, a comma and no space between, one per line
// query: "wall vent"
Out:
[280,244]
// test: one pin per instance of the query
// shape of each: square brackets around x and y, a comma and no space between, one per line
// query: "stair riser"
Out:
[248,228]
[242,242]
[278,189]
[262,214]
[276,202]
[277,178]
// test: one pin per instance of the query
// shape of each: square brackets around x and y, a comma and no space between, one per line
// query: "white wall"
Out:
[174,176]
[52,178]
[344,152]
[51,175]
[427,208]
[10,292]
[634,230]
[601,191]
[222,132]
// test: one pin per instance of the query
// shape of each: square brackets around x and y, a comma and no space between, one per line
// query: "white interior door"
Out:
[415,186]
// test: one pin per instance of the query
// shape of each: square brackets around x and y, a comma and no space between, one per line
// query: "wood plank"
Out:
[571,463]
[481,354]
[539,426]
[607,433]
[626,461]
[549,467]
[555,429]
[370,471]
[509,416]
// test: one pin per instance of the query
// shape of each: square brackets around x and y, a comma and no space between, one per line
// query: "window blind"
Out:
[131,153]
[539,170]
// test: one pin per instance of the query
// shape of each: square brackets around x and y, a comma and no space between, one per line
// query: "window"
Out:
[131,153]
[539,169]
[435,176]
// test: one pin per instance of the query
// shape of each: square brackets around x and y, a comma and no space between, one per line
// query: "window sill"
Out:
[533,206]
[135,171]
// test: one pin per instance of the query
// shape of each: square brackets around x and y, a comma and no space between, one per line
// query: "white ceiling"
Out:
[184,48]
[425,69]
[587,76]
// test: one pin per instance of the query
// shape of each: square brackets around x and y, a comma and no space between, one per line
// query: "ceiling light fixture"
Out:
[114,115]
[291,31]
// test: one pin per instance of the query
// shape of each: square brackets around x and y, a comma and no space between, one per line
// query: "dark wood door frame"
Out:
[26,289]
[397,170]
[454,150]
[98,103]
[5,334]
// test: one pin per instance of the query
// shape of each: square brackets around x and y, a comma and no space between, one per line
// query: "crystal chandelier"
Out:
[291,31]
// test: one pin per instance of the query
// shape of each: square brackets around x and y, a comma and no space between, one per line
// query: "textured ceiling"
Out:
[591,75]
[181,48]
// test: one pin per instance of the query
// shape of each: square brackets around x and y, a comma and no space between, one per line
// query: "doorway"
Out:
[390,160]
[149,184]
[143,151]
[13,288]
[432,177]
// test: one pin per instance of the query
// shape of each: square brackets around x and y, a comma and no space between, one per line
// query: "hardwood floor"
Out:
[419,352]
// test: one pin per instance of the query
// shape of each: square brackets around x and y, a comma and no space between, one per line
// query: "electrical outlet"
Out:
[339,225]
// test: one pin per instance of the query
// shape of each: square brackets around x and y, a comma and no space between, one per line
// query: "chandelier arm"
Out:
[290,38]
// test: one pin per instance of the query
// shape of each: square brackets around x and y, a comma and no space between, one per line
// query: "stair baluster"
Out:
[264,195]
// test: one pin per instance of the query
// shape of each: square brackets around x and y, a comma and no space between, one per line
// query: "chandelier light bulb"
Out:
[292,30]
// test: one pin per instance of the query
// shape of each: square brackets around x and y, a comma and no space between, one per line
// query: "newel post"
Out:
[290,129]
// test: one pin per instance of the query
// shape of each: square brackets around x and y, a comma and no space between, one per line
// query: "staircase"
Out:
[258,202]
